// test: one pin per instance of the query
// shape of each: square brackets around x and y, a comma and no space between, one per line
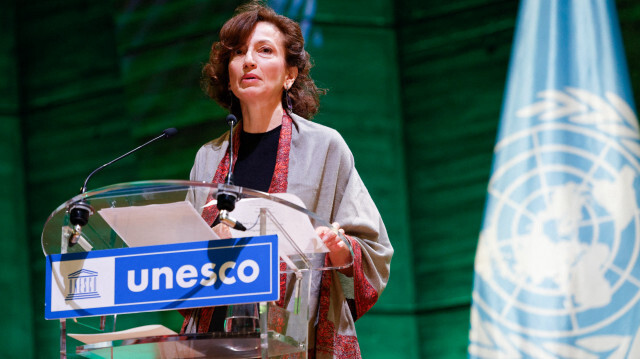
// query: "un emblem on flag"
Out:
[558,253]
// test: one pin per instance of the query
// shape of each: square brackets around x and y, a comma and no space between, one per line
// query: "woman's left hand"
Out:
[339,253]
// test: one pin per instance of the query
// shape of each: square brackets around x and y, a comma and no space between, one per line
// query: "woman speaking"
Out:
[259,71]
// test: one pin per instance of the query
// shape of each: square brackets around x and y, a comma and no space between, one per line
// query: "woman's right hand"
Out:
[222,230]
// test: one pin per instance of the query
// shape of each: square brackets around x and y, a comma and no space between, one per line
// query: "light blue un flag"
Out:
[557,273]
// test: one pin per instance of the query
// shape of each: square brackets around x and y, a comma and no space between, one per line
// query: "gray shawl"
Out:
[322,173]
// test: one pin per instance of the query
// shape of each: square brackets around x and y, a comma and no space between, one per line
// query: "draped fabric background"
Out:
[415,87]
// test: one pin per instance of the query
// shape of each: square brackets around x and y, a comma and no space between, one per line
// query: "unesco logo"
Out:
[82,285]
[560,240]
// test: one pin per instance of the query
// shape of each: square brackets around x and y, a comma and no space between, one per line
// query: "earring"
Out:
[288,99]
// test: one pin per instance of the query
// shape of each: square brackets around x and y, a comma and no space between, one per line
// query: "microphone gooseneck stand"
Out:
[226,198]
[80,211]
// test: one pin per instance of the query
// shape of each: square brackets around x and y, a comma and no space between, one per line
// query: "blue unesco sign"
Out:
[164,277]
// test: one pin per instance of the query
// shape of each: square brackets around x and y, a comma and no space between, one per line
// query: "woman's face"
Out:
[258,71]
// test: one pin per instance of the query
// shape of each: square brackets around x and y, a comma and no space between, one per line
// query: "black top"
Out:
[256,159]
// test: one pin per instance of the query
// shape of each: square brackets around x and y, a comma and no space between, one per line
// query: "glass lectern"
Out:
[277,330]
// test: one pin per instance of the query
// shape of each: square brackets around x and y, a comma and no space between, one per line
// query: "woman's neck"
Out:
[261,117]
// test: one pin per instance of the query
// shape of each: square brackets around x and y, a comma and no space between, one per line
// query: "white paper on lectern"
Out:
[154,224]
[153,330]
[297,224]
[168,349]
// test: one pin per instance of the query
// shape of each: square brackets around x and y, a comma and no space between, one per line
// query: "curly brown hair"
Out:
[234,33]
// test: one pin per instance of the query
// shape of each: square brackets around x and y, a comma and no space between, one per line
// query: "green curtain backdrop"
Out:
[18,320]
[453,61]
[415,88]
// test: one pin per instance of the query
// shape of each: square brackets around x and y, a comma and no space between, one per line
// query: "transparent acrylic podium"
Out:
[279,332]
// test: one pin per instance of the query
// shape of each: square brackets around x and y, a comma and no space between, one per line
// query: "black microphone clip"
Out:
[79,213]
[227,197]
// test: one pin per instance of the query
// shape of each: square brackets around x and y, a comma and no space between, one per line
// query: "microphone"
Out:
[80,211]
[165,134]
[226,200]
[231,121]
